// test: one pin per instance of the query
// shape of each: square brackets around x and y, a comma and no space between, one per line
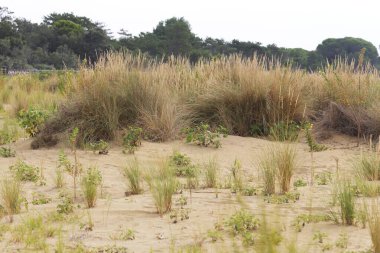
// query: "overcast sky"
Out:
[287,23]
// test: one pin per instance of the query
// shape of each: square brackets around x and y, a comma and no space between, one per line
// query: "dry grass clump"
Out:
[244,94]
[248,96]
[163,184]
[25,90]
[120,90]
[373,216]
[278,163]
[10,193]
[90,184]
[211,173]
[163,97]
[368,166]
[348,97]
[133,174]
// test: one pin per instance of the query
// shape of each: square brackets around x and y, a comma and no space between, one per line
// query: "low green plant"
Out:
[133,174]
[342,241]
[202,135]
[300,183]
[90,183]
[66,204]
[249,191]
[288,197]
[211,173]
[269,237]
[180,214]
[319,236]
[181,163]
[124,235]
[243,223]
[311,142]
[215,235]
[163,184]
[25,172]
[284,131]
[102,147]
[11,199]
[88,225]
[178,159]
[31,119]
[132,139]
[40,198]
[303,219]
[323,178]
[7,152]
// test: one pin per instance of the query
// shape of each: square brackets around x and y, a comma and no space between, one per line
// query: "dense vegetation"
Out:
[61,39]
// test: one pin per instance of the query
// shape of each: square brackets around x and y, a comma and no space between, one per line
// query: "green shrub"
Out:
[300,183]
[288,197]
[203,136]
[25,172]
[243,224]
[132,139]
[66,204]
[90,183]
[126,234]
[323,178]
[31,119]
[284,131]
[179,160]
[101,147]
[7,152]
[40,199]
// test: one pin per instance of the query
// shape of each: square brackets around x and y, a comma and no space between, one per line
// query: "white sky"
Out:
[287,23]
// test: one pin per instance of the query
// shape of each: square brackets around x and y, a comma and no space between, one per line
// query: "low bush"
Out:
[25,172]
[101,147]
[31,120]
[7,152]
[202,135]
[132,139]
[243,223]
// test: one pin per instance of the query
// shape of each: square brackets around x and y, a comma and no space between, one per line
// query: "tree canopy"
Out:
[62,40]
